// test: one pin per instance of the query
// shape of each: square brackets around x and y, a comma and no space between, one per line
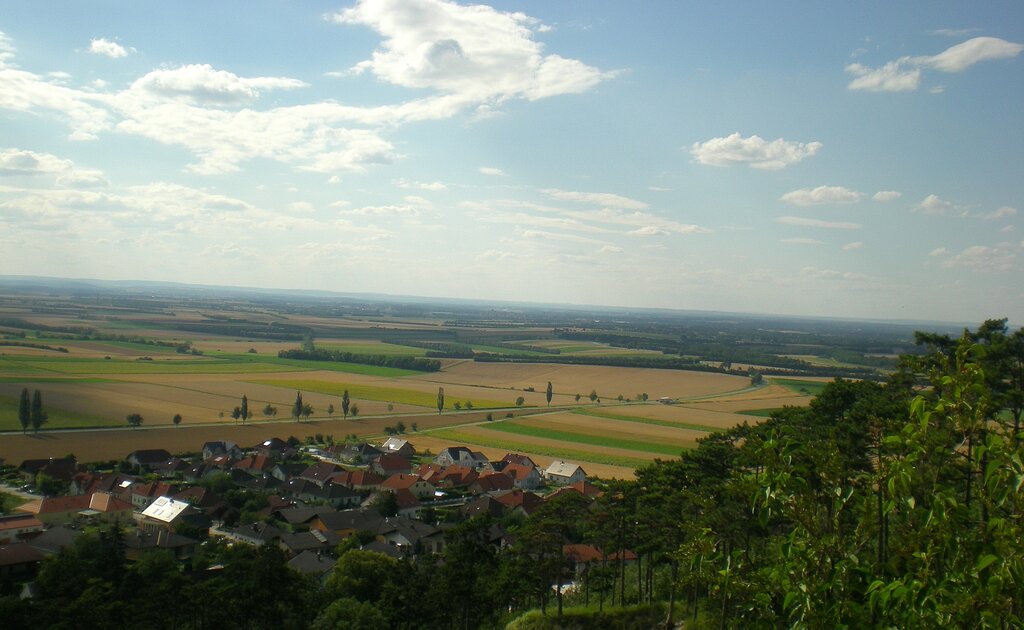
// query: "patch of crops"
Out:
[808,388]
[462,437]
[57,418]
[373,392]
[584,438]
[654,421]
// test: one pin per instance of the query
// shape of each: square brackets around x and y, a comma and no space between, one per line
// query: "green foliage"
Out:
[584,438]
[636,617]
[134,420]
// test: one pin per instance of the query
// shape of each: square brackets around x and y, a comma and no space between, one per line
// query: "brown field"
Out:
[769,397]
[568,380]
[689,413]
[604,471]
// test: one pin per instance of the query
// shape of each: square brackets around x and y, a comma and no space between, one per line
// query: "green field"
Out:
[327,366]
[763,413]
[384,349]
[809,388]
[584,438]
[655,421]
[509,351]
[374,392]
[113,366]
[58,418]
[462,437]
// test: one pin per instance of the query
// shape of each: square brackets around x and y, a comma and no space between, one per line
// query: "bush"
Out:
[628,618]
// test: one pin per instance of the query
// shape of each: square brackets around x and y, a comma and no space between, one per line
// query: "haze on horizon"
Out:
[841,160]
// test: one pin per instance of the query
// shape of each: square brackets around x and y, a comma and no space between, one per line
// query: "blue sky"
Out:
[837,159]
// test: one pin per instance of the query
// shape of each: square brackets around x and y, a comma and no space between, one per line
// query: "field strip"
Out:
[639,420]
[168,366]
[462,437]
[583,438]
[326,366]
[373,392]
[59,379]
[735,392]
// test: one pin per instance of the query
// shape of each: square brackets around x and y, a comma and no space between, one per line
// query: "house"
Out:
[319,472]
[565,473]
[339,496]
[582,556]
[493,482]
[361,453]
[172,467]
[140,543]
[15,527]
[389,464]
[313,563]
[255,534]
[19,561]
[455,477]
[285,471]
[462,456]
[411,536]
[312,540]
[358,480]
[100,506]
[165,514]
[523,476]
[419,488]
[221,447]
[517,458]
[141,494]
[483,505]
[521,500]
[299,518]
[208,502]
[60,469]
[347,523]
[398,446]
[274,448]
[55,540]
[255,464]
[149,458]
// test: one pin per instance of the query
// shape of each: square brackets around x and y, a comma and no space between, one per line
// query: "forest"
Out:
[894,504]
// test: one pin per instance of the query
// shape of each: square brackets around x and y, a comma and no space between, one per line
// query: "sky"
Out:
[801,158]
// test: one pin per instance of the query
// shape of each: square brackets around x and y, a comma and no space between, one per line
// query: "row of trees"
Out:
[30,411]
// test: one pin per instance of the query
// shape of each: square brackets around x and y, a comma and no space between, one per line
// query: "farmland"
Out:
[96,362]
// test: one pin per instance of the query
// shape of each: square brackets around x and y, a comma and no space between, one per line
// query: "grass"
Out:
[327,366]
[114,366]
[99,344]
[654,421]
[58,418]
[505,350]
[462,437]
[762,413]
[381,348]
[810,388]
[374,392]
[57,379]
[584,438]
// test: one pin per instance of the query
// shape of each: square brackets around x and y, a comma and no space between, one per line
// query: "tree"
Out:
[468,405]
[24,410]
[176,419]
[457,405]
[330,409]
[440,400]
[270,410]
[345,403]
[307,411]
[134,419]
[400,426]
[297,407]
[578,398]
[236,413]
[593,395]
[548,393]
[38,415]
[244,409]
[520,401]
[354,410]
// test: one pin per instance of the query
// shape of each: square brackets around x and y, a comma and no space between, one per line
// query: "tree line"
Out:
[392,361]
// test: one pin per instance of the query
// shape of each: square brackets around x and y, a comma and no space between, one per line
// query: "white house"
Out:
[565,473]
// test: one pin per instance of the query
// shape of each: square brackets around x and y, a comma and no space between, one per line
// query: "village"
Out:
[309,500]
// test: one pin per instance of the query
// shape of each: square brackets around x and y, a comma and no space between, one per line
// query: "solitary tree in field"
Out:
[469,404]
[548,393]
[578,398]
[307,411]
[520,401]
[236,413]
[297,407]
[245,408]
[270,410]
[345,404]
[134,420]
[593,395]
[457,405]
[176,419]
[24,410]
[38,415]
[354,410]
[330,409]
[440,400]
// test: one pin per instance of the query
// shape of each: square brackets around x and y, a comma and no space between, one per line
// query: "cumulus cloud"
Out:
[1005,212]
[21,162]
[821,195]
[754,151]
[980,258]
[490,170]
[932,204]
[202,84]
[476,52]
[817,223]
[815,273]
[954,32]
[852,246]
[107,48]
[904,74]
[430,186]
[886,195]
[605,200]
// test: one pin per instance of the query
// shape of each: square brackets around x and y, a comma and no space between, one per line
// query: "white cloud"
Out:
[202,84]
[954,32]
[431,186]
[301,207]
[997,259]
[821,195]
[659,189]
[817,223]
[886,195]
[604,200]
[852,246]
[895,76]
[832,275]
[475,52]
[932,204]
[754,151]
[21,162]
[107,48]
[938,251]
[490,170]
[1004,212]
[801,241]
[904,74]
[382,211]
[7,50]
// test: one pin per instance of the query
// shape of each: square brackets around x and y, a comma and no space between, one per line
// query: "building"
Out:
[565,473]
[164,514]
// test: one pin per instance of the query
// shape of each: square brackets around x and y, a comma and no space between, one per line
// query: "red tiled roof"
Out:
[400,481]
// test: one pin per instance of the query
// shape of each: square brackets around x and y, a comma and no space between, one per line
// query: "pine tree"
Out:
[548,393]
[345,403]
[245,408]
[24,410]
[298,406]
[38,416]
[440,400]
